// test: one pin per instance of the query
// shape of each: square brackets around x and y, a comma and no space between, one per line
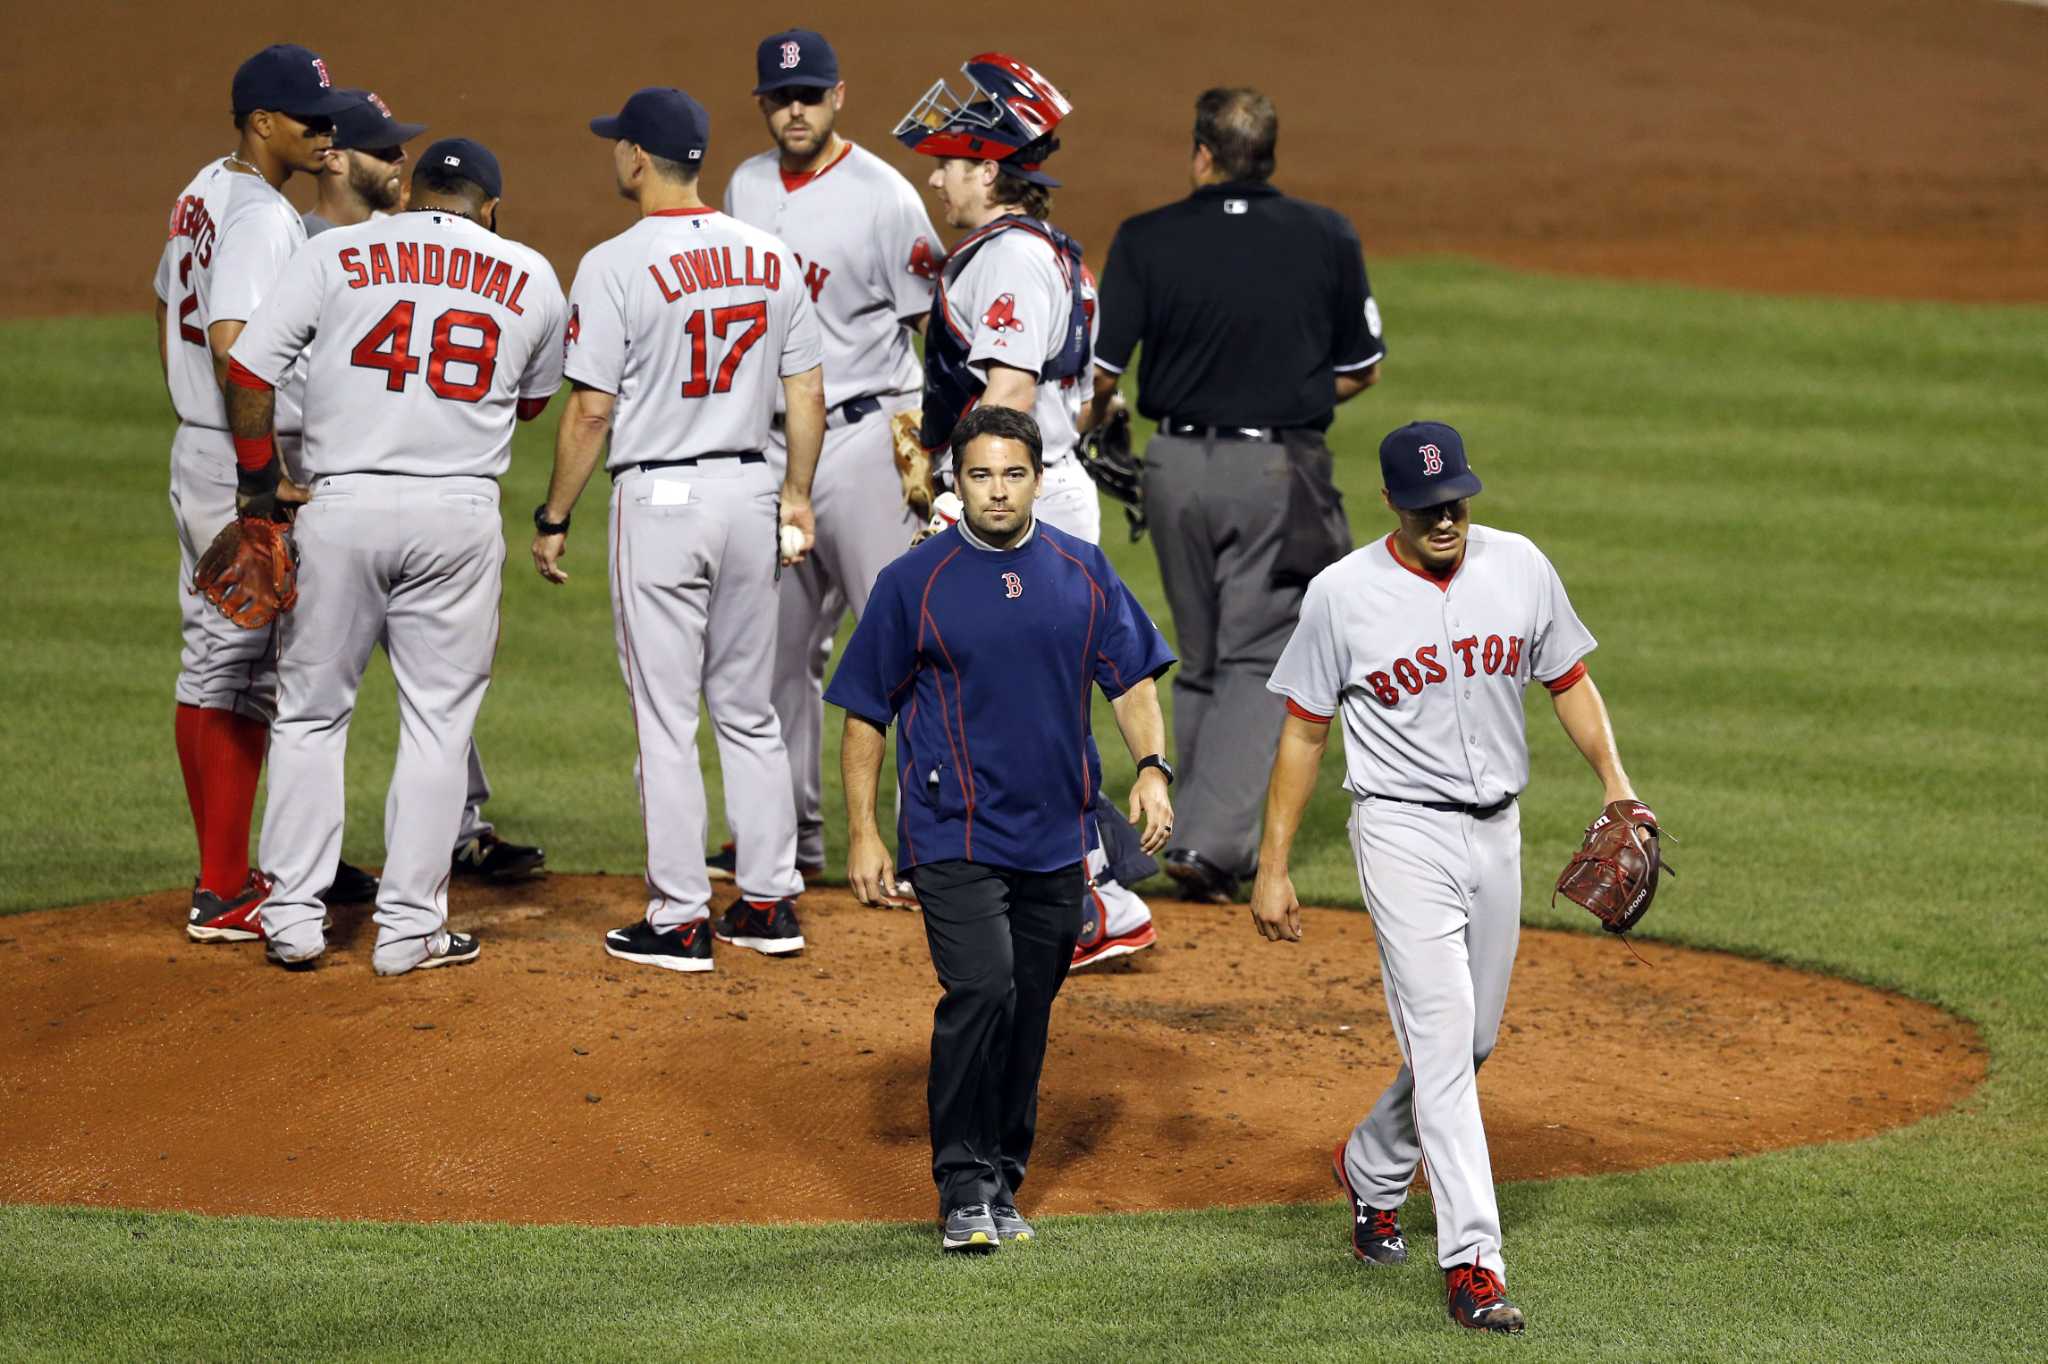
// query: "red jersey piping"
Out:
[1442,584]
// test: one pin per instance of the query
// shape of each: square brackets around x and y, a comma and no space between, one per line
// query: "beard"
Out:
[374,182]
[813,137]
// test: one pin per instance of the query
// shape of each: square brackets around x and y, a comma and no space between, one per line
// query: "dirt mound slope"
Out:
[550,1083]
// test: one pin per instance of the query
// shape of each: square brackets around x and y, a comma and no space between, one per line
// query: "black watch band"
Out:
[1155,760]
[547,527]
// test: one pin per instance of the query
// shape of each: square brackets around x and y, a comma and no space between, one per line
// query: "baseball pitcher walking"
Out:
[426,336]
[1425,642]
[681,330]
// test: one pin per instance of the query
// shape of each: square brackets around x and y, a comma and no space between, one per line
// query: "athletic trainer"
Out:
[983,645]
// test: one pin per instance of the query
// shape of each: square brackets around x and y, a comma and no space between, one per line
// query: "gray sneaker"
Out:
[970,1229]
[1010,1224]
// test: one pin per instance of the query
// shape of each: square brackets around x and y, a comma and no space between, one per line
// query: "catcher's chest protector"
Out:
[950,384]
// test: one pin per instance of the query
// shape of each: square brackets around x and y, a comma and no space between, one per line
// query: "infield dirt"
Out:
[1890,147]
[551,1083]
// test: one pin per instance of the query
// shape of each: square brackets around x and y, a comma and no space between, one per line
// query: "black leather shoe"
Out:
[352,886]
[1199,879]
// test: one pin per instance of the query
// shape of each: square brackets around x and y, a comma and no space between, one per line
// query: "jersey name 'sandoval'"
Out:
[867,252]
[693,319]
[1014,292]
[422,331]
[228,238]
[1429,674]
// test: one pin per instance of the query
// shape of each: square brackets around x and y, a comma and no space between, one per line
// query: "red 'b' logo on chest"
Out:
[1013,586]
[1432,460]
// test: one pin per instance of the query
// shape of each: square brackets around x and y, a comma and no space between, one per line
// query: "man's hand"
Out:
[1148,796]
[547,556]
[873,875]
[1275,911]
[291,494]
[796,511]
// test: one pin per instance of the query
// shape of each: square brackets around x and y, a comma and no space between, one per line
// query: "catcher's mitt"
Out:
[1106,453]
[1614,872]
[913,461]
[250,572]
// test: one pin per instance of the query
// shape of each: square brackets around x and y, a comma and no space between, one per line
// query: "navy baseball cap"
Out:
[367,124]
[467,158]
[795,56]
[662,120]
[288,79]
[1423,464]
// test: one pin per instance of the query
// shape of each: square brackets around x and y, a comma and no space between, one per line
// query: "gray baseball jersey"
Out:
[1429,675]
[422,332]
[1015,293]
[868,253]
[692,319]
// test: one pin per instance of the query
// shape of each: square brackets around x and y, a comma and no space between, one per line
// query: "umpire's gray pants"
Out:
[1218,515]
[417,562]
[694,553]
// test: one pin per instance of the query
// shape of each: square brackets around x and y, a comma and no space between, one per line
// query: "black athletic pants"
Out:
[1001,942]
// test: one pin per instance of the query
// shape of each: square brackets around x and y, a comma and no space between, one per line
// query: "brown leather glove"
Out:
[1614,872]
[250,572]
[913,461]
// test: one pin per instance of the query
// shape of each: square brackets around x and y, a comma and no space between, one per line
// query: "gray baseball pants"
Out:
[1218,516]
[417,562]
[693,569]
[1445,893]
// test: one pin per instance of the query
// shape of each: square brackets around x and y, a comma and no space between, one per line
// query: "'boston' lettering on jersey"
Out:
[1495,655]
[431,263]
[712,268]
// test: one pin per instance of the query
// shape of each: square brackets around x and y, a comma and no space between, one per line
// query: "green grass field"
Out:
[1811,538]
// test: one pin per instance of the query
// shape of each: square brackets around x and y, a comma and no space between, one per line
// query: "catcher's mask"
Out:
[1008,116]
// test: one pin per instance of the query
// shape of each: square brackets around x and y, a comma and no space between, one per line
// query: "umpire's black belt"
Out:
[846,414]
[1173,426]
[691,462]
[1452,807]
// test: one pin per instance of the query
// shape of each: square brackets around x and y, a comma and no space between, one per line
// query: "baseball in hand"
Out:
[792,541]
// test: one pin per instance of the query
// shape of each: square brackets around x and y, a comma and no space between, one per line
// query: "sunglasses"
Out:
[798,94]
[316,125]
[388,155]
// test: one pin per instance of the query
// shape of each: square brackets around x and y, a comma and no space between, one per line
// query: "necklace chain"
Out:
[234,160]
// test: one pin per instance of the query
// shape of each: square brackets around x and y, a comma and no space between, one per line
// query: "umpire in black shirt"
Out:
[1256,320]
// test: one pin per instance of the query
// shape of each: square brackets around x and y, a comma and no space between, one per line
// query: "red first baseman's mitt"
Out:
[1614,872]
[250,572]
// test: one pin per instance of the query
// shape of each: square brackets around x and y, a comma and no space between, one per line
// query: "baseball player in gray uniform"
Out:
[1013,325]
[868,253]
[426,335]
[1425,642]
[363,180]
[681,330]
[230,233]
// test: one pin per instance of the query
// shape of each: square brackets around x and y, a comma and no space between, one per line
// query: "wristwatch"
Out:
[547,527]
[1155,760]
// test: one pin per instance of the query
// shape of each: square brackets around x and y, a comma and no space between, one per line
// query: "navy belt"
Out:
[1452,807]
[846,414]
[691,461]
[1174,427]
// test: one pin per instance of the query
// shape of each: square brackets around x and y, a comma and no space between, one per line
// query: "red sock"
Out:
[230,764]
[187,727]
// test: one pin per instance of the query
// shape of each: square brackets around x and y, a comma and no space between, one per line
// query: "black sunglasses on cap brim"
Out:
[797,94]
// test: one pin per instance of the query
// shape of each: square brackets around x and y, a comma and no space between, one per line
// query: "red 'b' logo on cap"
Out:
[790,55]
[320,67]
[1432,460]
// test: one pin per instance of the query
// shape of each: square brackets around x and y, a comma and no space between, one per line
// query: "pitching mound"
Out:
[549,1083]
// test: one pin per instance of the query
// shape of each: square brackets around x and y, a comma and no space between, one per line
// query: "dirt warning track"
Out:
[550,1083]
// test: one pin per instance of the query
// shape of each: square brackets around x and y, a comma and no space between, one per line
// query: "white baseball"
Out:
[792,541]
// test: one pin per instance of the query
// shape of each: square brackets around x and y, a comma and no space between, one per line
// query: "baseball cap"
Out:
[795,56]
[663,120]
[367,124]
[1423,464]
[289,79]
[465,157]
